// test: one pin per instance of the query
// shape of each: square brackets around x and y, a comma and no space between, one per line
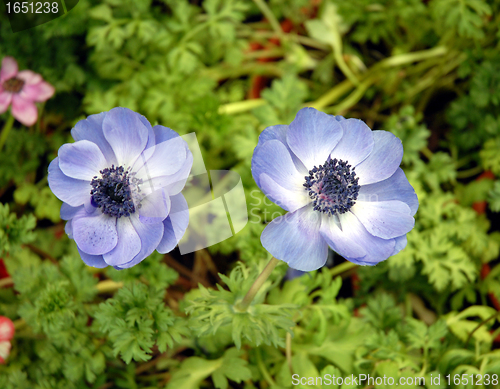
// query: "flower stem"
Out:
[343,267]
[5,131]
[108,286]
[247,300]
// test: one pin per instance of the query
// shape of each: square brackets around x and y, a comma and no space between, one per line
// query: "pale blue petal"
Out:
[356,143]
[128,245]
[288,199]
[175,224]
[395,187]
[312,136]
[383,161]
[376,249]
[278,132]
[72,191]
[273,159]
[91,129]
[126,133]
[95,234]
[385,219]
[81,160]
[341,240]
[295,239]
[154,208]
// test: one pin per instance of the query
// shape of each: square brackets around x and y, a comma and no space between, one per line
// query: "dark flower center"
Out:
[112,192]
[13,85]
[333,187]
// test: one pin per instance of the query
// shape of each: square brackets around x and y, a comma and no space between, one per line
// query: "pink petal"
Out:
[29,77]
[24,110]
[9,69]
[6,328]
[5,100]
[37,92]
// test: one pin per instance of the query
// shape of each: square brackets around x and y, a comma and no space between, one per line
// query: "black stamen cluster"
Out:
[333,187]
[13,85]
[112,192]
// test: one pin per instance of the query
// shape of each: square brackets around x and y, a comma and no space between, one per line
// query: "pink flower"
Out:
[6,334]
[22,89]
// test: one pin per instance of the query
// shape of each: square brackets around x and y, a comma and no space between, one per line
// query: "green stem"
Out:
[241,106]
[262,368]
[5,131]
[247,300]
[342,268]
[270,17]
[470,172]
[425,151]
[479,326]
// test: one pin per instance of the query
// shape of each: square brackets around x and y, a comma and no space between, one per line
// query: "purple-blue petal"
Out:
[395,187]
[150,235]
[383,161]
[151,134]
[95,234]
[273,159]
[128,245]
[163,159]
[356,143]
[163,134]
[81,160]
[68,229]
[401,242]
[175,224]
[312,136]
[126,133]
[384,219]
[295,239]
[68,212]
[91,129]
[93,260]
[72,191]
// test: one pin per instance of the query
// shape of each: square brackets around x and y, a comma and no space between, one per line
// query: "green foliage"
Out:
[45,204]
[154,272]
[466,17]
[382,20]
[405,125]
[428,71]
[135,320]
[14,231]
[490,157]
[217,310]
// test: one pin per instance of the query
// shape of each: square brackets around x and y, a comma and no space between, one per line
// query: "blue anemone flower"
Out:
[120,183]
[342,187]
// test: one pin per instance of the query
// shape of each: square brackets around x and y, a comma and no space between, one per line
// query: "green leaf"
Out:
[194,370]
